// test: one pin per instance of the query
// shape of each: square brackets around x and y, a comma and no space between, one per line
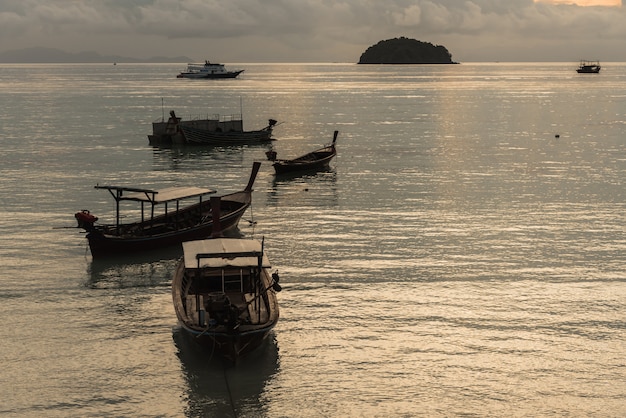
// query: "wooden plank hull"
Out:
[103,241]
[195,136]
[192,222]
[207,131]
[103,244]
[313,161]
[283,167]
[231,322]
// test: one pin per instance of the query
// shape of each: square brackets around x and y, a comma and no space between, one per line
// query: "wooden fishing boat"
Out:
[204,130]
[315,160]
[177,223]
[224,295]
[199,136]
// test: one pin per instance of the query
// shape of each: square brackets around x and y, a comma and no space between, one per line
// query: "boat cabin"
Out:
[223,283]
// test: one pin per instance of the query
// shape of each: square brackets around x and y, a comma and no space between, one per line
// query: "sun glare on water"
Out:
[584,3]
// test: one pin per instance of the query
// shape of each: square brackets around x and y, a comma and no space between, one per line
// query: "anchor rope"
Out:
[230,393]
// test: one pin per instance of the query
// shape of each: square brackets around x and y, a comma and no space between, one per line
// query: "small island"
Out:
[406,51]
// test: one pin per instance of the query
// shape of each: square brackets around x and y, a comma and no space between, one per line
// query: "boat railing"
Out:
[237,117]
[231,118]
[216,116]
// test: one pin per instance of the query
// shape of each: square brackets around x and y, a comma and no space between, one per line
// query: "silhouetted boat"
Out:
[207,131]
[589,67]
[314,160]
[208,70]
[173,226]
[224,295]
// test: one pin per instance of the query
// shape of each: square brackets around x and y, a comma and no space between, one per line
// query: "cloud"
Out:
[312,30]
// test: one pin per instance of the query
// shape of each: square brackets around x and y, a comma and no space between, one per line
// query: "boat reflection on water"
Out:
[216,387]
[324,174]
[154,268]
[304,189]
[179,158]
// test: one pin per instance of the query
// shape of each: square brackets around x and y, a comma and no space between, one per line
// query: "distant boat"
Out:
[224,295]
[208,70]
[176,223]
[214,130]
[588,67]
[314,160]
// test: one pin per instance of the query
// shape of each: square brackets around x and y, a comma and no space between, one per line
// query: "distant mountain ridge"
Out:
[53,55]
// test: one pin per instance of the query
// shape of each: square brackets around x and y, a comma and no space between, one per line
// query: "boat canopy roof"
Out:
[155,196]
[223,252]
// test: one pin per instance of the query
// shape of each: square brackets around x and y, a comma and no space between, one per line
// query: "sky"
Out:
[240,31]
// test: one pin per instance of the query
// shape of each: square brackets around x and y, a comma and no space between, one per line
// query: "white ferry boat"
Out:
[208,70]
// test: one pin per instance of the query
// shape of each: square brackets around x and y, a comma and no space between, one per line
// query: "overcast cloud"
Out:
[314,30]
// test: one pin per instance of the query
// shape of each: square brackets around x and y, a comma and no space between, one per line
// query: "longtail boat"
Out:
[314,160]
[224,295]
[177,221]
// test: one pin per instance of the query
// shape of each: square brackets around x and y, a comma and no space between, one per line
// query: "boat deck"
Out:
[250,308]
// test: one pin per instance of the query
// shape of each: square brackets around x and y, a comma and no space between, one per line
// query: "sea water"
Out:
[465,255]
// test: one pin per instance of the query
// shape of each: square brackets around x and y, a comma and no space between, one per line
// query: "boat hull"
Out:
[208,76]
[207,131]
[313,161]
[102,244]
[200,313]
[285,167]
[231,346]
[196,136]
[588,70]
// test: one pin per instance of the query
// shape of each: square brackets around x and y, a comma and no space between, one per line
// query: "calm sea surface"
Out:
[465,255]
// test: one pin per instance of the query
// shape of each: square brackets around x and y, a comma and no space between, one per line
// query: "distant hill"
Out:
[52,55]
[406,51]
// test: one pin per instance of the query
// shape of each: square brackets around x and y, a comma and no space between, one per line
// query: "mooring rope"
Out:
[230,393]
[251,221]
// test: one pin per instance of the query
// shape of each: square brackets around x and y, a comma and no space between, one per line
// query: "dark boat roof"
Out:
[155,196]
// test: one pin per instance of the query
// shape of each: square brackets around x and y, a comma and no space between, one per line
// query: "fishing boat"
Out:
[314,160]
[208,70]
[224,295]
[588,67]
[178,221]
[198,136]
[214,130]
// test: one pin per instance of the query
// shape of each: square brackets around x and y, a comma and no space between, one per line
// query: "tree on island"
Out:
[406,51]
